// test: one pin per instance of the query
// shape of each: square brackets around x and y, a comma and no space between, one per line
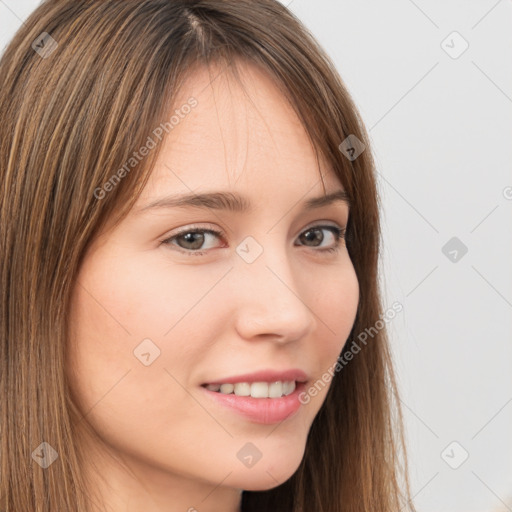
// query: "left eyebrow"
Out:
[233,202]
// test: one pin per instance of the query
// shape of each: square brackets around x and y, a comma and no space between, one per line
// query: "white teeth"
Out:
[243,389]
[227,388]
[288,387]
[259,390]
[275,390]
[256,389]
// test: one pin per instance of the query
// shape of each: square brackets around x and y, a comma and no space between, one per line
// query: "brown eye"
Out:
[315,236]
[191,241]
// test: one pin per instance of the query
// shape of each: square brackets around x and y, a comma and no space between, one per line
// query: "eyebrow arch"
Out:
[234,202]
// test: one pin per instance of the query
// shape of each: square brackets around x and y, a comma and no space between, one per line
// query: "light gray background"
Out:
[441,129]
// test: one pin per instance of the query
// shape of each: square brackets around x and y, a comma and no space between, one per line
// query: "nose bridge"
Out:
[270,302]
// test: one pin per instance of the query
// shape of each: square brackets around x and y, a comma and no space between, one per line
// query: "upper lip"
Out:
[293,374]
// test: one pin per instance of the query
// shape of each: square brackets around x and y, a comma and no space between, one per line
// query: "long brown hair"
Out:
[82,85]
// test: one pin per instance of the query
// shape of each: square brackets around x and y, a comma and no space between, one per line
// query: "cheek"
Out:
[115,312]
[335,306]
[126,301]
[120,303]
[152,297]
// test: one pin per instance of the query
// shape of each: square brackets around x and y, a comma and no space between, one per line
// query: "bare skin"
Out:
[211,315]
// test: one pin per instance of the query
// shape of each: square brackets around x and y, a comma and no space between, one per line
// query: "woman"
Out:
[190,238]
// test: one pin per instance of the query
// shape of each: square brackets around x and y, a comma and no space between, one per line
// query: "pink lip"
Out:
[264,376]
[261,410]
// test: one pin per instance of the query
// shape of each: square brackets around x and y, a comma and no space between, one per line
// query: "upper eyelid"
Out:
[222,232]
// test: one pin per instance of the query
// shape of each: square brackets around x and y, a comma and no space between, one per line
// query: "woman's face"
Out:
[156,316]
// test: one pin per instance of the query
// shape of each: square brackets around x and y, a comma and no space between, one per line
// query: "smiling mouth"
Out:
[276,389]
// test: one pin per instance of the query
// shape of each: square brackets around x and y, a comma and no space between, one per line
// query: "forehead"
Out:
[238,134]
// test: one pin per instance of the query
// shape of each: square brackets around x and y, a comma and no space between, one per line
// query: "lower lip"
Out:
[261,410]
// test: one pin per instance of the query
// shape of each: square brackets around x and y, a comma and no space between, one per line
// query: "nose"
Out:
[272,299]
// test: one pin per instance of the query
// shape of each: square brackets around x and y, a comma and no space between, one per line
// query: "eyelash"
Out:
[339,234]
